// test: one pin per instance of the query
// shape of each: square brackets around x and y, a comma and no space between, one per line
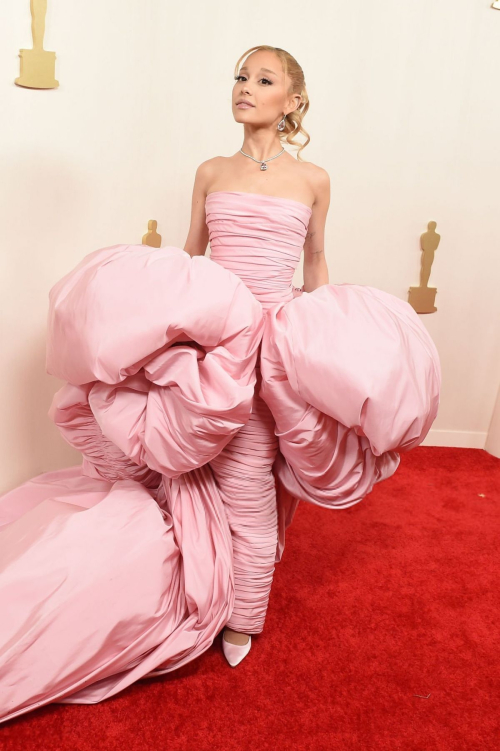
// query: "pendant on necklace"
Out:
[263,165]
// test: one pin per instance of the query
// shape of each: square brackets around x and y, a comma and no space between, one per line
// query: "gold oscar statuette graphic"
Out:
[152,238]
[422,298]
[38,66]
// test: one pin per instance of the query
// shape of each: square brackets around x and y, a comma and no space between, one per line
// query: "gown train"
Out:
[207,397]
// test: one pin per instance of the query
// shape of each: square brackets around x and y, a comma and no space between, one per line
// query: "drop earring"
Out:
[281,124]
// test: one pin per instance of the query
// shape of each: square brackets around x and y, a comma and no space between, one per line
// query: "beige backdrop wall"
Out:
[404,115]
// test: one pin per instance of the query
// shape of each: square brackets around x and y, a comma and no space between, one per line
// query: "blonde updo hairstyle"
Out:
[293,120]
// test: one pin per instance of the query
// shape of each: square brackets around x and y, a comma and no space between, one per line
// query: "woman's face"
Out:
[261,82]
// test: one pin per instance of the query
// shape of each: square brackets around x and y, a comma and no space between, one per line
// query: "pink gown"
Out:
[180,372]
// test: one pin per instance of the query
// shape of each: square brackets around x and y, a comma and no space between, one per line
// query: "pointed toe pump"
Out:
[234,653]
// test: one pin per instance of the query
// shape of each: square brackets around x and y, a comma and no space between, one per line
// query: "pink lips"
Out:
[244,105]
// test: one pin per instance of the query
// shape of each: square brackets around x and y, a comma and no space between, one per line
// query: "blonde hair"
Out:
[293,120]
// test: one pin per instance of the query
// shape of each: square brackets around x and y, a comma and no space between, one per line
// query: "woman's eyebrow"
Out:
[266,69]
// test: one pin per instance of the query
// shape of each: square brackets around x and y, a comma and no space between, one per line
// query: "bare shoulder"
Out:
[207,168]
[319,181]
[209,164]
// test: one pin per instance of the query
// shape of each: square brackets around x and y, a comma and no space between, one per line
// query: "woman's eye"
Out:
[237,78]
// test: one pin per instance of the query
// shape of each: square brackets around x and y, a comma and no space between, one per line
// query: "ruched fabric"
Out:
[244,474]
[259,238]
[207,396]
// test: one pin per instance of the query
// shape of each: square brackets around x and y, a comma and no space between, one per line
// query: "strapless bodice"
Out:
[259,238]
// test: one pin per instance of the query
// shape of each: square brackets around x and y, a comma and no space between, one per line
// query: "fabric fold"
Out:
[207,396]
[164,360]
[352,378]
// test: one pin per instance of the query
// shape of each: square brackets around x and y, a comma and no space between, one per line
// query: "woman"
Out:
[207,397]
[270,100]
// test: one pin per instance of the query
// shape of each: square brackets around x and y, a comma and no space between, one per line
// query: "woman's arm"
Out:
[315,266]
[197,239]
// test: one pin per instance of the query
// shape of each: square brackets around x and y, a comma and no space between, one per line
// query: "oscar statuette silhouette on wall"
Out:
[38,66]
[152,238]
[422,298]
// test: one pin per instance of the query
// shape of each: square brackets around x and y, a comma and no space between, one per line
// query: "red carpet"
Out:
[395,597]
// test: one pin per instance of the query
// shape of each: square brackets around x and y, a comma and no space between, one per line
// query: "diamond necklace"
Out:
[263,164]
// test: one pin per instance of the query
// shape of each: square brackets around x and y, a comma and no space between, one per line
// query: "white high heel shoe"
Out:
[234,653]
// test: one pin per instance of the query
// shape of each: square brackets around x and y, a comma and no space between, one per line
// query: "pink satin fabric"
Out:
[207,397]
[260,239]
